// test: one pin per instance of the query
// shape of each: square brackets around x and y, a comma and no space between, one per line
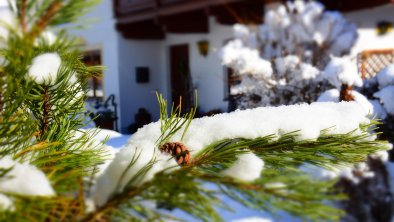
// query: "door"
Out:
[181,81]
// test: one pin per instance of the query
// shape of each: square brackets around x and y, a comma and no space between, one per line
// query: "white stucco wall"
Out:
[207,72]
[366,21]
[133,95]
[121,57]
[101,35]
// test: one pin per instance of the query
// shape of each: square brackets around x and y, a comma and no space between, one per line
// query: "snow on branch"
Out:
[141,159]
[21,179]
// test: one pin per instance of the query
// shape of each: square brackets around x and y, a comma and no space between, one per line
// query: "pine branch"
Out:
[43,22]
[169,125]
[23,11]
[114,203]
[46,112]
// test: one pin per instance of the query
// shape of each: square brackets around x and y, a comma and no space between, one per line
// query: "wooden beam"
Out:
[167,7]
[247,12]
[141,30]
[190,22]
[175,16]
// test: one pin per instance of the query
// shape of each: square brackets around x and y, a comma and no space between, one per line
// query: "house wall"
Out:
[366,21]
[207,72]
[133,95]
[121,57]
[101,35]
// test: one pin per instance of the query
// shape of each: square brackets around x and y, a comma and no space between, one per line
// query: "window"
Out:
[95,85]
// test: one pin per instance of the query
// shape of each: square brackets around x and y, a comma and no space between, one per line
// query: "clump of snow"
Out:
[6,203]
[373,108]
[98,136]
[275,185]
[302,23]
[249,124]
[307,71]
[244,60]
[354,174]
[89,204]
[110,153]
[342,71]
[386,96]
[293,82]
[47,36]
[106,134]
[241,31]
[331,95]
[24,179]
[263,121]
[44,68]
[364,102]
[286,64]
[142,146]
[247,167]
[386,76]
[244,33]
[357,173]
[7,20]
[382,155]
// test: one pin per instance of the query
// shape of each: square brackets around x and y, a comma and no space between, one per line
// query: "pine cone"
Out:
[178,150]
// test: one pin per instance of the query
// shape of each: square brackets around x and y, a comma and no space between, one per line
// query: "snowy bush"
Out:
[280,61]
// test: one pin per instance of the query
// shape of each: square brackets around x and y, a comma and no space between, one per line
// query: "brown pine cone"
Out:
[178,150]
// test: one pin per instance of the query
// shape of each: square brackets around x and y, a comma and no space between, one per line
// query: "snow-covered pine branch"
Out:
[220,143]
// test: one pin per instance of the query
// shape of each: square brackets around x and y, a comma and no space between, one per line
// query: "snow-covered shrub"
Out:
[280,61]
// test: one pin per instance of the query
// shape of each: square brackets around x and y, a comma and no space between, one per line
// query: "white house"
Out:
[153,46]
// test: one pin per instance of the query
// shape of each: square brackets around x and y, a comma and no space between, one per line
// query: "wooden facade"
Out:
[151,19]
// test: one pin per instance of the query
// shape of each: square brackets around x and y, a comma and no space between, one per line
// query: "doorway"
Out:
[181,81]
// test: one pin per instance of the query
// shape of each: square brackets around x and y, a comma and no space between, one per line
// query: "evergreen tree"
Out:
[51,170]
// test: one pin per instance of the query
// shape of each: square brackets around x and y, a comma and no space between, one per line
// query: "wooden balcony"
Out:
[151,19]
